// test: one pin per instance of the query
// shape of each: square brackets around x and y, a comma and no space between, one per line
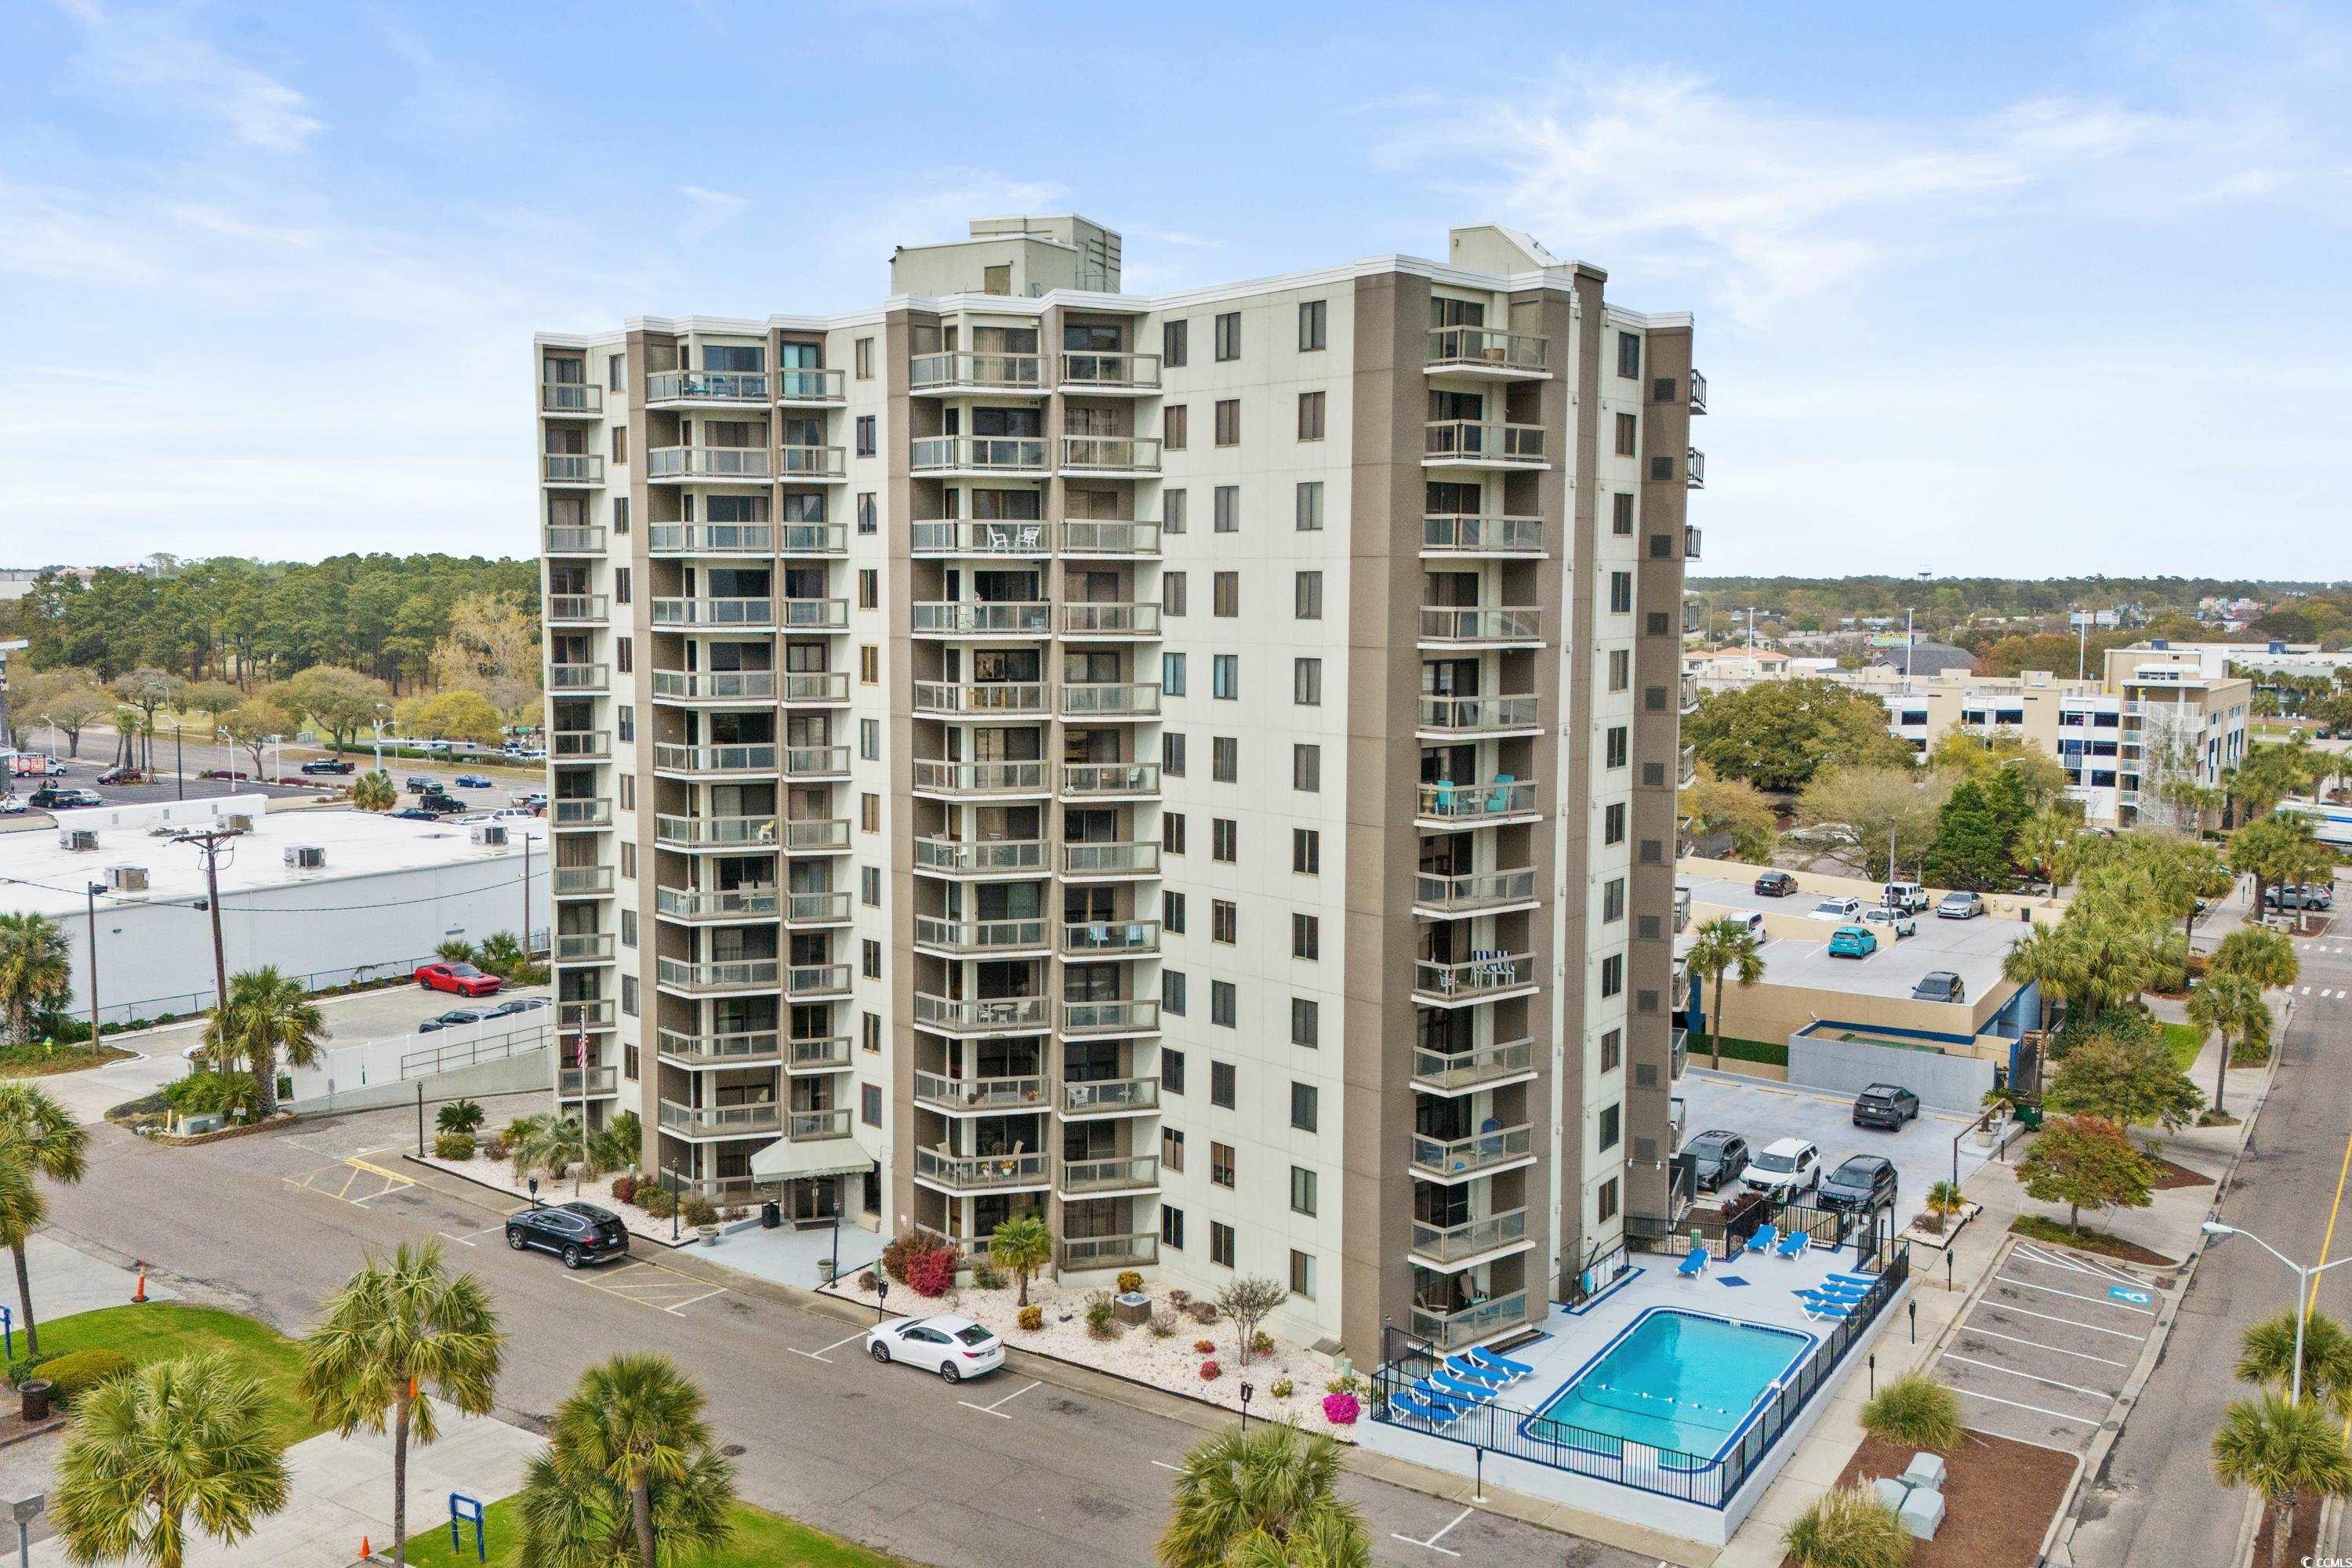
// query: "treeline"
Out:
[242,621]
[2299,612]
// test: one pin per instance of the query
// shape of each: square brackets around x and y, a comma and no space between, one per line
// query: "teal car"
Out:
[1853,941]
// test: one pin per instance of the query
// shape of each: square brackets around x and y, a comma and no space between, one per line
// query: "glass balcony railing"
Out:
[809,384]
[816,979]
[956,536]
[1001,1094]
[739,759]
[707,386]
[583,947]
[579,677]
[721,1121]
[993,454]
[810,462]
[1478,714]
[566,538]
[756,902]
[1100,780]
[572,468]
[829,1053]
[983,618]
[816,834]
[986,698]
[1486,349]
[580,745]
[1466,1156]
[596,812]
[1110,699]
[1110,372]
[1451,1244]
[1110,620]
[1126,1172]
[584,1013]
[979,778]
[985,1015]
[587,1083]
[571,399]
[1111,858]
[972,937]
[1496,971]
[1473,890]
[1111,454]
[1451,1330]
[1460,802]
[827,906]
[1109,939]
[1079,1253]
[1448,624]
[980,1172]
[751,1047]
[707,463]
[1462,534]
[1089,536]
[710,538]
[1461,1072]
[576,609]
[824,686]
[1471,441]
[715,685]
[714,612]
[1103,1096]
[1111,1016]
[958,857]
[581,881]
[758,831]
[816,762]
[981,372]
[718,975]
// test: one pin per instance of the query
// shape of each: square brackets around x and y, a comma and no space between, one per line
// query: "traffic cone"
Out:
[138,1296]
[365,1555]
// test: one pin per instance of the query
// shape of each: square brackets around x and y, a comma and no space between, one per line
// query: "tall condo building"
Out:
[1199,767]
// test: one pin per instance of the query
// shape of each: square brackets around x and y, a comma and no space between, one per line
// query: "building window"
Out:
[1171,1071]
[1220,1244]
[1612,899]
[1307,682]
[1614,755]
[1222,1079]
[621,584]
[1171,672]
[868,519]
[1174,339]
[1306,767]
[1621,668]
[1172,754]
[869,959]
[1171,832]
[1225,840]
[1224,758]
[1228,335]
[1224,922]
[1171,1228]
[629,994]
[869,739]
[1305,852]
[1310,417]
[1306,938]
[1171,1150]
[1310,325]
[1612,974]
[1609,1120]
[1612,823]
[1172,911]
[1658,624]
[617,373]
[1305,1023]
[625,654]
[1606,1201]
[869,813]
[869,1028]
[625,722]
[1302,1180]
[620,514]
[1629,356]
[1625,435]
[1612,1049]
[1225,676]
[869,1104]
[1225,594]
[863,354]
[628,792]
[1173,997]
[865,434]
[1302,1275]
[1310,506]
[1653,698]
[628,928]
[1221,1165]
[1175,426]
[628,861]
[1228,499]
[1229,422]
[1620,514]
[1621,593]
[1171,511]
[1306,595]
[620,444]
[869,886]
[1662,469]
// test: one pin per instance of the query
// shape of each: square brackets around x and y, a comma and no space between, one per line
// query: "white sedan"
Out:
[956,1348]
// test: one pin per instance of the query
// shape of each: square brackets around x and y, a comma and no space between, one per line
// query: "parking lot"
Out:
[2044,1352]
[509,785]
[1760,1111]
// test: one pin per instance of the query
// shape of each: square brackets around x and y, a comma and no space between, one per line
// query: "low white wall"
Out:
[400,1060]
[1848,1066]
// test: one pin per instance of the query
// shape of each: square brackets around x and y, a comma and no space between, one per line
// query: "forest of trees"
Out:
[2299,612]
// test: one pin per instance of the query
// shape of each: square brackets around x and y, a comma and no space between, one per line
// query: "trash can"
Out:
[35,1394]
[772,1215]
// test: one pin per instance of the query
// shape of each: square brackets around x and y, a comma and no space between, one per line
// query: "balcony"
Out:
[810,384]
[1111,1097]
[587,1083]
[576,609]
[580,745]
[1110,699]
[1448,1331]
[1110,620]
[1107,859]
[942,374]
[980,1015]
[570,539]
[980,939]
[583,947]
[1110,455]
[706,388]
[1487,1066]
[828,907]
[1083,940]
[1452,1248]
[830,1054]
[814,762]
[1077,1254]
[710,538]
[1448,804]
[571,468]
[765,1119]
[1093,537]
[976,1095]
[1450,717]
[715,760]
[977,455]
[1698,393]
[1677,1053]
[816,834]
[754,686]
[1001,858]
[1470,443]
[1458,533]
[821,687]
[1695,469]
[715,832]
[1690,541]
[1476,892]
[1480,1153]
[687,463]
[583,1013]
[982,618]
[1486,977]
[1448,627]
[807,982]
[579,677]
[592,812]
[1111,1016]
[813,614]
[808,1126]
[759,901]
[710,976]
[947,700]
[950,536]
[1100,375]
[1486,351]
[980,1172]
[811,462]
[753,1048]
[1686,768]
[1130,1173]
[571,399]
[978,779]
[1688,695]
[714,612]
[1109,781]
[581,881]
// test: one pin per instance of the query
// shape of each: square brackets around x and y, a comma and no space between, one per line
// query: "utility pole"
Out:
[91,890]
[209,842]
[526,905]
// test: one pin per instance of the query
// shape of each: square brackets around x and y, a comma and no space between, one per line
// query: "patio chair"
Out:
[1840,1290]
[1859,1282]
[1766,1238]
[1499,799]
[1438,1399]
[1444,796]
[1469,1371]
[1502,1363]
[1793,1245]
[1820,1309]
[1461,1389]
[1490,1142]
[1404,1401]
[1694,1264]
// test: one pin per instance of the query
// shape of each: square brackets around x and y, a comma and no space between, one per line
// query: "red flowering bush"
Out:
[625,1187]
[1211,1371]
[1342,1409]
[932,1273]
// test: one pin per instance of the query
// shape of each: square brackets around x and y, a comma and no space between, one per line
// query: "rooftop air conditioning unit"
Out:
[240,822]
[306,856]
[79,839]
[490,835]
[126,878]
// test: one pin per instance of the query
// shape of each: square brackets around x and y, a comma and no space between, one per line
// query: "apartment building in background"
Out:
[1200,767]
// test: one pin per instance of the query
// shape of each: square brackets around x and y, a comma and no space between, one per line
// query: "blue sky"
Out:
[2025,288]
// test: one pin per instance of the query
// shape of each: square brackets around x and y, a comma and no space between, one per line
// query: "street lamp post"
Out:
[2304,1290]
[93,890]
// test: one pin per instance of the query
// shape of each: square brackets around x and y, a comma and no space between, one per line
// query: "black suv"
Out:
[1885,1105]
[63,797]
[329,765]
[577,1232]
[1717,1156]
[440,801]
[1861,1184]
[1776,884]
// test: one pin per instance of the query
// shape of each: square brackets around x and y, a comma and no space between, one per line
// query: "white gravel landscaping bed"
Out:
[500,1173]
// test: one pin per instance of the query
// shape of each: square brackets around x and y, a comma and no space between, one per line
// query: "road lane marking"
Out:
[2100,1394]
[818,1353]
[992,1409]
[1166,1466]
[2027,1312]
[2054,1291]
[2037,1344]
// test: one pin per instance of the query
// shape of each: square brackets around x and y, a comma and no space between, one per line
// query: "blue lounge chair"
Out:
[1822,1309]
[1452,1408]
[1501,1363]
[1462,1389]
[1469,1371]
[1793,1245]
[1855,1281]
[1692,1267]
[1766,1239]
[1405,1403]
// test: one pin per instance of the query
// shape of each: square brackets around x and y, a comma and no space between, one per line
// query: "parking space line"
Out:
[2070,1322]
[992,1409]
[2095,1270]
[678,1308]
[2090,1421]
[652,1285]
[818,1353]
[1166,1466]
[2037,1344]
[1437,1536]
[2072,1296]
[2099,1395]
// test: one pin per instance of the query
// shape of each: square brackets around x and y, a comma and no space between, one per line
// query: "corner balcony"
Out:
[1078,1254]
[1485,977]
[583,947]
[710,538]
[1110,457]
[1471,444]
[978,1096]
[811,462]
[1136,1174]
[755,686]
[573,539]
[982,939]
[811,386]
[716,976]
[950,700]
[1110,1097]
[1446,626]
[980,1015]
[706,389]
[1450,1332]
[1698,393]
[693,905]
[1462,534]
[1109,374]
[816,763]
[587,1083]
[1694,469]
[1686,768]
[745,613]
[580,745]
[1477,892]
[807,910]
[947,537]
[1691,540]
[980,781]
[680,465]
[947,375]
[583,813]
[1458,717]
[1111,1016]
[1104,621]
[568,468]
[1110,780]
[981,1172]
[1016,858]
[1488,352]
[1098,538]
[1110,699]
[581,881]
[1688,695]
[1467,1072]
[700,1053]
[977,455]
[698,1122]
[577,609]
[571,399]
[584,1013]
[982,618]
[711,762]
[1451,1248]
[1087,939]
[1109,860]
[579,678]
[1447,805]
[1480,1154]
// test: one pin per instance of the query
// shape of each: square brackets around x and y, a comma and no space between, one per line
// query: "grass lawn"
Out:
[2184,1040]
[162,1329]
[763,1539]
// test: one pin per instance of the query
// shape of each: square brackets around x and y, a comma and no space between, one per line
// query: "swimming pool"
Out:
[1678,1380]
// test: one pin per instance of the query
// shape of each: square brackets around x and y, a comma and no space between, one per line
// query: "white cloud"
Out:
[711,210]
[144,60]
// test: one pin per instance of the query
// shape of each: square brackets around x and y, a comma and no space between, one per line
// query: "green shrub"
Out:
[77,1372]
[458,1116]
[986,1278]
[1849,1528]
[1281,1388]
[1741,1050]
[22,1368]
[1032,1319]
[698,1211]
[1915,1412]
[1102,1319]
[452,1145]
[1129,1281]
[207,1093]
[1261,1343]
[657,1201]
[625,1187]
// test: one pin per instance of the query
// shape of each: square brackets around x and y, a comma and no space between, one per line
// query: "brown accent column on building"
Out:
[636,757]
[897,503]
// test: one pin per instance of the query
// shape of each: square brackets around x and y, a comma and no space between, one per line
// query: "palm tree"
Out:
[548,1143]
[629,1461]
[1022,1245]
[2231,1007]
[1271,1497]
[2278,848]
[2282,1450]
[269,1018]
[42,1138]
[190,1434]
[2265,957]
[2046,961]
[1723,947]
[372,791]
[35,967]
[395,1337]
[2266,1356]
[619,1145]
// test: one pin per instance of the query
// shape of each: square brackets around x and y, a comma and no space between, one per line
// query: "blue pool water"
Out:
[1678,1380]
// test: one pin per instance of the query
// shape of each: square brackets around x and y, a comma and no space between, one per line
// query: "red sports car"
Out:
[463,979]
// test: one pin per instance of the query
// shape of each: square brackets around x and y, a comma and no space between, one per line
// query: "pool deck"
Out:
[1752,1289]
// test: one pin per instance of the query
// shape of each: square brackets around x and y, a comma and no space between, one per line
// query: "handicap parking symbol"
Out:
[2130,1297]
